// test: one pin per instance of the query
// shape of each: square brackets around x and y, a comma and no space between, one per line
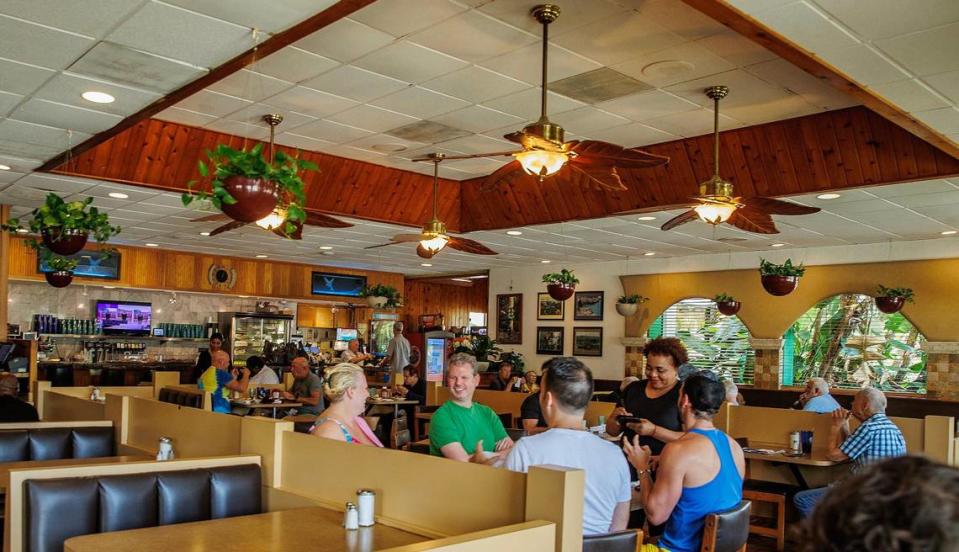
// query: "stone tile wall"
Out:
[942,370]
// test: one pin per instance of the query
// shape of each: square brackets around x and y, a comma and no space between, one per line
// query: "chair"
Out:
[400,432]
[727,531]
[419,422]
[777,494]
[621,541]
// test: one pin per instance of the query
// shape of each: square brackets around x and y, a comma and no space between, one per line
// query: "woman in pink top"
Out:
[346,389]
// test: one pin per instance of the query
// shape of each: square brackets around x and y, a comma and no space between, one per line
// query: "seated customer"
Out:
[732,393]
[352,353]
[565,393]
[12,409]
[876,438]
[907,503]
[307,387]
[816,397]
[262,374]
[529,384]
[700,473]
[459,425]
[414,387]
[504,379]
[532,414]
[347,391]
[218,380]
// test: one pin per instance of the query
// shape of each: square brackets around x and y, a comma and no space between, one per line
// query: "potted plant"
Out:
[381,296]
[247,187]
[627,305]
[483,348]
[780,279]
[515,360]
[727,304]
[61,269]
[64,227]
[560,285]
[891,300]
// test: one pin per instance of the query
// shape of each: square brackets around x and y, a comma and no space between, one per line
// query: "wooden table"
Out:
[395,403]
[267,404]
[298,529]
[5,467]
[816,459]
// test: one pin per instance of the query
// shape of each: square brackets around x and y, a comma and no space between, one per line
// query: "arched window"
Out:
[852,344]
[715,342]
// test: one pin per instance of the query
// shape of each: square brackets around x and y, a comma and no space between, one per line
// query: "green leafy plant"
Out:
[284,171]
[724,298]
[564,276]
[767,268]
[904,292]
[484,347]
[57,215]
[632,299]
[515,360]
[393,297]
[58,263]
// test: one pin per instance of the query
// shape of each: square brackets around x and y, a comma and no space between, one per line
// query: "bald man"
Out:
[307,388]
[218,380]
[12,409]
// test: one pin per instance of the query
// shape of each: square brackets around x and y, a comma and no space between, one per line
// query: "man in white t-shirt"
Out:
[566,388]
[398,352]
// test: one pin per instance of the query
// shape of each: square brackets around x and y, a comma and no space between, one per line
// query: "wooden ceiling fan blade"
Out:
[211,218]
[382,245]
[325,221]
[753,220]
[506,172]
[467,245]
[472,155]
[680,219]
[516,137]
[605,153]
[424,252]
[606,178]
[778,206]
[296,234]
[233,225]
[407,238]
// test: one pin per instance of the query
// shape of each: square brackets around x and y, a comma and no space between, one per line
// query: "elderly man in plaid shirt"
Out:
[875,438]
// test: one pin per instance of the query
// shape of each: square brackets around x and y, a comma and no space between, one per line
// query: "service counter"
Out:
[113,373]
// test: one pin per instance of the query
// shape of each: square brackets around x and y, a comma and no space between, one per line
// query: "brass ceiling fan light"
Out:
[717,202]
[545,151]
[275,220]
[434,237]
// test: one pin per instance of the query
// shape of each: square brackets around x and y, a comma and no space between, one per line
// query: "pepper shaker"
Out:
[366,498]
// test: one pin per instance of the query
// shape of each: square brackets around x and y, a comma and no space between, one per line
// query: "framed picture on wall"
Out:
[588,305]
[550,340]
[548,308]
[588,342]
[509,318]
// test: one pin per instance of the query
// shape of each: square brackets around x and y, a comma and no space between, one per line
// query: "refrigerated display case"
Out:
[248,332]
[381,332]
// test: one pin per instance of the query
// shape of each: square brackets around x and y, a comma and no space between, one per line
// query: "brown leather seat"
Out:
[727,531]
[621,541]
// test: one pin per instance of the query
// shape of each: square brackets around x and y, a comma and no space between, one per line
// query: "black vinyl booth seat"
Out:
[56,443]
[57,509]
[182,398]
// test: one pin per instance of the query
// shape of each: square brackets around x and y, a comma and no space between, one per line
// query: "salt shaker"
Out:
[366,499]
[351,520]
[165,451]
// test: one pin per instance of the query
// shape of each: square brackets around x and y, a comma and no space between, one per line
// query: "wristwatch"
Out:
[641,473]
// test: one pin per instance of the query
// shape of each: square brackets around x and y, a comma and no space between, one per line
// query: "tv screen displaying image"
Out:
[124,317]
[346,334]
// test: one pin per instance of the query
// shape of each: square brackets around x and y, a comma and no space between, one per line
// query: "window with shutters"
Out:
[714,341]
[852,344]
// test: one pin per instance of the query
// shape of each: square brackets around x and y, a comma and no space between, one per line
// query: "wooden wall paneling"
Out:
[146,267]
[453,302]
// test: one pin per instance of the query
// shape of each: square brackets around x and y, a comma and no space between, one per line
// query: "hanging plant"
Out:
[382,296]
[780,279]
[627,305]
[64,227]
[727,304]
[246,187]
[61,268]
[891,300]
[560,285]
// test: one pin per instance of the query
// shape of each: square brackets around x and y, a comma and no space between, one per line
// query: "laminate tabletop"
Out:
[816,458]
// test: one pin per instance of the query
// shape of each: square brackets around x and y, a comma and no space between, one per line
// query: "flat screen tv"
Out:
[124,317]
[346,334]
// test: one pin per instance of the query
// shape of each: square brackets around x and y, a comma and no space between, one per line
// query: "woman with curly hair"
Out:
[346,389]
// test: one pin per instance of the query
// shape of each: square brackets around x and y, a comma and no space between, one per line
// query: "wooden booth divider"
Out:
[509,402]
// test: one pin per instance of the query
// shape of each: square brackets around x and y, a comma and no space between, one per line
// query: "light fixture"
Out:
[326,247]
[948,232]
[649,253]
[546,261]
[98,97]
[426,264]
[81,306]
[461,280]
[646,218]
[715,213]
[777,245]
[118,195]
[152,244]
[159,311]
[513,233]
[109,287]
[435,244]
[273,220]
[261,256]
[4,167]
[22,231]
[541,163]
[173,298]
[204,233]
[828,196]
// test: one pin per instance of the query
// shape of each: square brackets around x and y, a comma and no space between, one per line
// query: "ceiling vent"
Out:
[598,86]
[427,132]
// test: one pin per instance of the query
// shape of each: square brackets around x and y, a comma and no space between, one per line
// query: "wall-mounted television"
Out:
[346,334]
[324,283]
[124,317]
[90,264]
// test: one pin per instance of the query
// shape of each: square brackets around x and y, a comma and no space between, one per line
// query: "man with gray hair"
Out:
[816,397]
[876,438]
[12,409]
[397,353]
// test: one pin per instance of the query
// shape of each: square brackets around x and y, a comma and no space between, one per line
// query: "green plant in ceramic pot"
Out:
[727,304]
[891,300]
[61,268]
[627,305]
[65,226]
[780,279]
[381,296]
[246,187]
[560,285]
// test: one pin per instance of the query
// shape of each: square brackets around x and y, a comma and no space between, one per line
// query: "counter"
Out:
[78,374]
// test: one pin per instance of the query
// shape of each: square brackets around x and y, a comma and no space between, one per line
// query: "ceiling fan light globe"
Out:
[715,213]
[541,163]
[434,245]
[273,220]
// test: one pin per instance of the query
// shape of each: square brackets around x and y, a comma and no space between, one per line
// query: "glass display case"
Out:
[247,333]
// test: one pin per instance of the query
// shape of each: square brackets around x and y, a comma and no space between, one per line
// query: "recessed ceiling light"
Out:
[22,230]
[326,253]
[544,261]
[118,195]
[777,245]
[98,97]
[948,232]
[4,167]
[426,264]
[513,233]
[828,196]
[109,287]
[152,244]
[646,218]
[244,297]
[204,233]
[649,253]
[261,256]
[326,247]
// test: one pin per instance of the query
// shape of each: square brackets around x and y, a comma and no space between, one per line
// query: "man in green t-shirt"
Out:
[460,426]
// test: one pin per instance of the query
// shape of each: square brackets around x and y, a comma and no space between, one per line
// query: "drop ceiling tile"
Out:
[735,48]
[39,45]
[525,64]
[866,65]
[169,200]
[781,73]
[478,144]
[265,16]
[473,36]
[587,119]
[945,120]
[477,118]
[310,102]
[773,109]
[678,18]
[115,63]
[619,38]
[67,88]
[633,135]
[386,144]
[184,117]
[397,16]
[236,128]
[8,101]
[648,105]
[344,41]
[248,85]
[925,52]
[691,123]
[809,27]
[213,103]
[331,131]
[23,139]
[87,17]
[64,116]
[409,62]
[904,223]
[852,208]
[49,183]
[526,104]
[293,65]
[745,90]
[182,35]
[886,18]
[946,214]
[572,15]
[372,118]
[253,115]
[682,63]
[302,142]
[19,164]
[912,95]
[420,102]
[20,78]
[475,84]
[946,83]
[356,84]
[926,187]
[950,197]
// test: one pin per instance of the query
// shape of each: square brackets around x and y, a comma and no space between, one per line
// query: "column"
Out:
[4,272]
[942,370]
[766,371]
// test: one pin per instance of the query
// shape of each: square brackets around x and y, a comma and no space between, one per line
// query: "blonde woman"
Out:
[346,389]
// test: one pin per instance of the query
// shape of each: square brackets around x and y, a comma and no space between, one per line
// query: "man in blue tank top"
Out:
[700,473]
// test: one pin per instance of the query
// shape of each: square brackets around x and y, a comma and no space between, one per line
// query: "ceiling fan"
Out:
[717,203]
[545,152]
[274,222]
[434,237]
